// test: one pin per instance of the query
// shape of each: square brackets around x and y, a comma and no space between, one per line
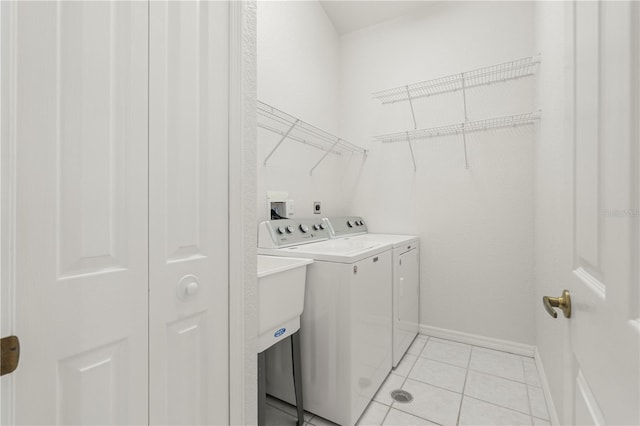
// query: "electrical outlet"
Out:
[316,207]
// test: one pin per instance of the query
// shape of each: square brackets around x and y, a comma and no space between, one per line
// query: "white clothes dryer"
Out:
[345,329]
[405,272]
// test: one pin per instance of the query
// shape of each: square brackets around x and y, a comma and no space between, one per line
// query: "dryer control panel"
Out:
[289,232]
[343,226]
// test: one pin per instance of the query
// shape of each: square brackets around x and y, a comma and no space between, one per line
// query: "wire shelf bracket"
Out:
[293,128]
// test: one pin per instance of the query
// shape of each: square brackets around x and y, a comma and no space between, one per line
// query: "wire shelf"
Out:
[458,128]
[452,83]
[277,121]
[290,127]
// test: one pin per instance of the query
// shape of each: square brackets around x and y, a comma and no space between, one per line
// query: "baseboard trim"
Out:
[478,340]
[551,407]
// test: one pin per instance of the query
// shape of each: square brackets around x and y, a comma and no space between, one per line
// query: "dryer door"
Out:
[405,302]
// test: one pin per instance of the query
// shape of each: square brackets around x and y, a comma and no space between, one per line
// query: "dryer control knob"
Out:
[304,228]
[322,226]
[316,227]
[280,230]
[350,223]
[290,229]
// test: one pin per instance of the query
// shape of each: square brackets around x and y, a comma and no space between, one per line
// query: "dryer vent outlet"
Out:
[316,207]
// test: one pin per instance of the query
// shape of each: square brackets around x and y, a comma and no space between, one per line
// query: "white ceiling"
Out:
[348,16]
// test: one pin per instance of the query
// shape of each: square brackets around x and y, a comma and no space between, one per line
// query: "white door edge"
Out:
[7,202]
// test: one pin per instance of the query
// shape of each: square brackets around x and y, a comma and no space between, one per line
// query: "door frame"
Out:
[242,209]
[243,284]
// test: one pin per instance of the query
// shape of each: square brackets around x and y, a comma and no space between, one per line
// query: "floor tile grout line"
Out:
[501,406]
[421,349]
[501,377]
[546,407]
[498,405]
[435,386]
[414,415]
[439,360]
[526,389]
[456,345]
[464,385]
[385,414]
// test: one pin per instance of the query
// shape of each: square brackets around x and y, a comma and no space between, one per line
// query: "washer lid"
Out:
[342,250]
[396,240]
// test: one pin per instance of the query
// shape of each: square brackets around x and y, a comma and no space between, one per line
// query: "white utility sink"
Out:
[281,284]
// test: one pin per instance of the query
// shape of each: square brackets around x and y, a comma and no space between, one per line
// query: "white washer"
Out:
[345,327]
[406,277]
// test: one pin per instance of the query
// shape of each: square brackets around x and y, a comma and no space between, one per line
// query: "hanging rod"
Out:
[451,83]
[290,127]
[466,127]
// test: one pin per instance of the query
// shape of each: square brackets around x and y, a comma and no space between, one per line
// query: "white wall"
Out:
[553,190]
[476,225]
[298,72]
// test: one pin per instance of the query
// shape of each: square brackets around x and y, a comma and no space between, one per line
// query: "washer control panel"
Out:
[346,225]
[288,232]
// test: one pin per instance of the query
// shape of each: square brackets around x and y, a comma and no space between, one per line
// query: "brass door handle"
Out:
[563,302]
[9,354]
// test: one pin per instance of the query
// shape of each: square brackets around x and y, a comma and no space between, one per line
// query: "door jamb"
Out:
[243,323]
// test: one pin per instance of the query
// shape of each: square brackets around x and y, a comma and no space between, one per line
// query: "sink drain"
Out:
[400,395]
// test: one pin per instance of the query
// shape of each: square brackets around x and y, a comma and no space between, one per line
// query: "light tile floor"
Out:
[452,384]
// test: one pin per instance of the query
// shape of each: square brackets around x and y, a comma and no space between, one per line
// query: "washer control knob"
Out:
[316,227]
[322,226]
[360,223]
[280,230]
[304,228]
[290,229]
[350,223]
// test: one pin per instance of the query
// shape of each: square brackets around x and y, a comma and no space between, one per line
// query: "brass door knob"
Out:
[563,302]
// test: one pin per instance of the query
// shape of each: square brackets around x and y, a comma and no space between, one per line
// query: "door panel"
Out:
[81,212]
[604,343]
[188,217]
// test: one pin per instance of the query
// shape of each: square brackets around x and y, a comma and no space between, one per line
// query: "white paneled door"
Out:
[188,214]
[79,142]
[114,211]
[603,345]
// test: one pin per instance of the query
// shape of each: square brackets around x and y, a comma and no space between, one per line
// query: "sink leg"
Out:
[262,387]
[297,374]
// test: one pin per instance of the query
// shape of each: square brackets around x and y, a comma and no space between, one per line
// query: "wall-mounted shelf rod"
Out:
[468,127]
[293,128]
[451,83]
